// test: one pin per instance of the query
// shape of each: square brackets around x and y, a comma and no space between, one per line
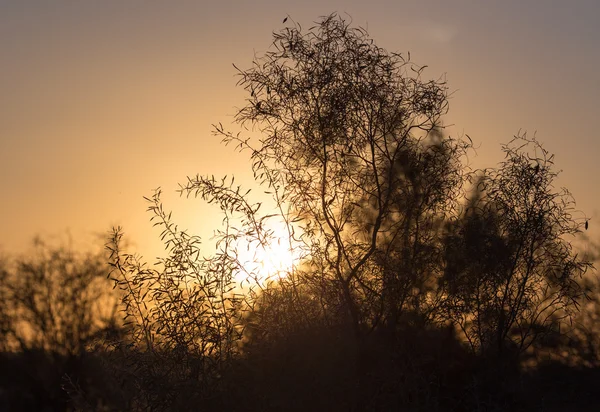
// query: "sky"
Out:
[103,101]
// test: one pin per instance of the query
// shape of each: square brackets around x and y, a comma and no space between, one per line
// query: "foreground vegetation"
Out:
[419,284]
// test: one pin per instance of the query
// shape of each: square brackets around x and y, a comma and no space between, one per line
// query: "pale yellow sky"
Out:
[104,101]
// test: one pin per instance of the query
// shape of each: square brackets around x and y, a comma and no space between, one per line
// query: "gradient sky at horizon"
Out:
[102,101]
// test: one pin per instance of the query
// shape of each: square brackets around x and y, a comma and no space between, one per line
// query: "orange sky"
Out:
[102,101]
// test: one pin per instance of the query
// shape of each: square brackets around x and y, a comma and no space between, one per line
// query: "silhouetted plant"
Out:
[511,272]
[577,343]
[59,300]
[6,320]
[351,145]
[183,315]
[57,307]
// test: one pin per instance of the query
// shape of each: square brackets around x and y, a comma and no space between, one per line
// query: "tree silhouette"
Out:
[351,143]
[511,272]
[58,300]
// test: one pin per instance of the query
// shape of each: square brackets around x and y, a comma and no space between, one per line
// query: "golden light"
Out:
[262,263]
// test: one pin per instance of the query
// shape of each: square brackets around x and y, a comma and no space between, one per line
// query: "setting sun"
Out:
[261,264]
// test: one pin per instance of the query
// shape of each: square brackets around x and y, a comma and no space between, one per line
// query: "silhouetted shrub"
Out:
[57,306]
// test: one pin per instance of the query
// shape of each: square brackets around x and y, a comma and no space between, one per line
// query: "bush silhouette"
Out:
[57,308]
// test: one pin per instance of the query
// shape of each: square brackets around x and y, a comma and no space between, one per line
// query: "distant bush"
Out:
[58,306]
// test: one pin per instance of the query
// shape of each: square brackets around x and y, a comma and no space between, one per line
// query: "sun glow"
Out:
[272,260]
